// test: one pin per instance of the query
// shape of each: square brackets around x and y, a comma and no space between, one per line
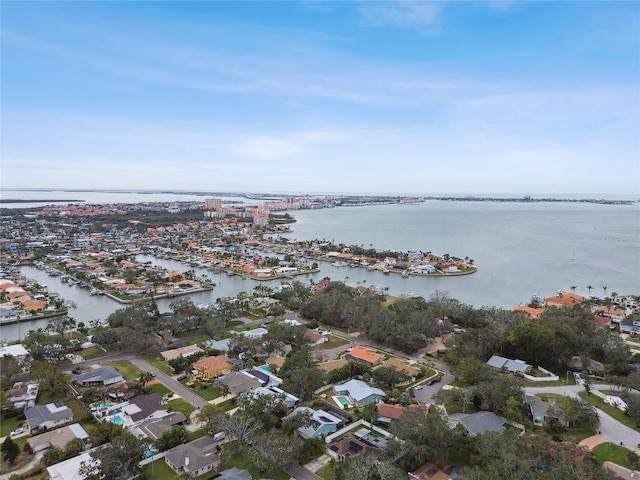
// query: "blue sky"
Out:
[322,97]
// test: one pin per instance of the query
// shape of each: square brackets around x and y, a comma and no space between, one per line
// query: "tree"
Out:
[262,407]
[298,419]
[177,435]
[117,460]
[575,411]
[370,412]
[52,456]
[50,377]
[10,450]
[389,376]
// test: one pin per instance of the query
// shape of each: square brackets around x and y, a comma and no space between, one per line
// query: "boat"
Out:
[94,291]
[405,274]
[339,264]
[385,271]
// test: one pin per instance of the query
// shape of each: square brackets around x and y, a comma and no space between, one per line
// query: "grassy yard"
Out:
[613,453]
[159,470]
[92,353]
[196,341]
[128,370]
[328,472]
[158,388]
[180,405]
[197,434]
[206,390]
[234,323]
[614,412]
[157,361]
[228,405]
[334,342]
[8,425]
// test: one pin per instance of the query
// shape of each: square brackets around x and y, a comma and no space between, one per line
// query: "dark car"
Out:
[181,377]
[431,382]
[76,371]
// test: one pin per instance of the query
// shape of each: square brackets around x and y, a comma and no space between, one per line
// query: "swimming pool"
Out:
[104,405]
[117,420]
[343,401]
[265,368]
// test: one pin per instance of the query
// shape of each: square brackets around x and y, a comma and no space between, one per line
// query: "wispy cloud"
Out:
[417,15]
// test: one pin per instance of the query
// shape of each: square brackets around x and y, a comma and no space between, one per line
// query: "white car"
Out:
[17,431]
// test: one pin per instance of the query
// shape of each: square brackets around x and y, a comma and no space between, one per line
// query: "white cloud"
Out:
[402,14]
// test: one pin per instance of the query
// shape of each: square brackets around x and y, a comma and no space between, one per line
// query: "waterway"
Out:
[520,249]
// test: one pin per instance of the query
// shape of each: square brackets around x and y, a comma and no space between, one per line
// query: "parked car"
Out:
[419,387]
[182,377]
[17,431]
[76,371]
[431,382]
[219,436]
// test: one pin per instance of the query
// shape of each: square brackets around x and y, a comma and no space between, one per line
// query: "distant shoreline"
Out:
[37,200]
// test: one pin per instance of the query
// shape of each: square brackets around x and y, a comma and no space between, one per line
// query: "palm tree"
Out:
[573,288]
[604,289]
[589,287]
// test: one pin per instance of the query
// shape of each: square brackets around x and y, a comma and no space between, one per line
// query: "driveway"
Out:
[609,428]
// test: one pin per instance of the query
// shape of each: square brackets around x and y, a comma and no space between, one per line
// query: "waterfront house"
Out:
[359,392]
[197,457]
[46,417]
[564,300]
[17,351]
[212,367]
[530,312]
[100,376]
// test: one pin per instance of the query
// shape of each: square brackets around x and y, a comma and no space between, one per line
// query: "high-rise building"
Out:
[212,203]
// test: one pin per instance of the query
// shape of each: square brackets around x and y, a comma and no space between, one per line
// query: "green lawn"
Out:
[196,341]
[157,361]
[228,405]
[327,472]
[613,453]
[180,405]
[206,390]
[8,425]
[196,434]
[159,470]
[234,323]
[614,412]
[91,353]
[158,388]
[128,370]
[334,342]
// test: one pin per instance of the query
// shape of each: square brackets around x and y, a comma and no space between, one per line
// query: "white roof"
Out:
[13,350]
[69,469]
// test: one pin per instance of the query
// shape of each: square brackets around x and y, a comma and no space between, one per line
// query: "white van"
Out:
[219,436]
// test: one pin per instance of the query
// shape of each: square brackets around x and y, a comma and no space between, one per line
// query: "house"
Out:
[631,327]
[364,354]
[616,401]
[315,338]
[254,333]
[564,300]
[100,376]
[359,392]
[276,360]
[240,382]
[70,469]
[58,438]
[23,395]
[355,443]
[288,400]
[594,366]
[212,367]
[332,365]
[46,417]
[538,411]
[153,428]
[220,345]
[197,457]
[440,470]
[478,423]
[514,366]
[391,413]
[143,407]
[322,423]
[531,313]
[17,351]
[402,366]
[181,352]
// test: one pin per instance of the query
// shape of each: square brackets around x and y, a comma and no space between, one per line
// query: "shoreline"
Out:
[31,319]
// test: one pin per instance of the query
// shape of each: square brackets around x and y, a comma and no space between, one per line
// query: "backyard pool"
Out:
[343,401]
[265,368]
[104,405]
[117,420]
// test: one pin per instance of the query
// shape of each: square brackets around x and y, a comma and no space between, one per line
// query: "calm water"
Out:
[519,248]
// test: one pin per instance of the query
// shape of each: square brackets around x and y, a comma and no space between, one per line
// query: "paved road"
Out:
[188,395]
[301,473]
[609,428]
